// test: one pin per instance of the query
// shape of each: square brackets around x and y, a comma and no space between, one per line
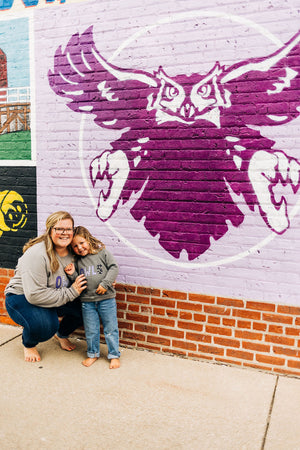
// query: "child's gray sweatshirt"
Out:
[100,268]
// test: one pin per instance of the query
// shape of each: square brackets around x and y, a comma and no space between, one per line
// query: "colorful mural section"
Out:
[15,5]
[18,213]
[15,103]
[173,134]
[178,142]
[206,160]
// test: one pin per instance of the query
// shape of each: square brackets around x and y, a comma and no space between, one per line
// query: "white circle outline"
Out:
[170,19]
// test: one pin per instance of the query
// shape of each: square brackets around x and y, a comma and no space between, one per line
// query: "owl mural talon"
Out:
[266,170]
[114,168]
[98,167]
[294,171]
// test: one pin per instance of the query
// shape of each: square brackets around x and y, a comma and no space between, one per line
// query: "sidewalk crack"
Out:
[9,340]
[270,414]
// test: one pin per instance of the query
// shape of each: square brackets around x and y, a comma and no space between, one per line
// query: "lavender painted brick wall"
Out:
[254,256]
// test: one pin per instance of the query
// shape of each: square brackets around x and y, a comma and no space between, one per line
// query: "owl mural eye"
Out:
[171,92]
[170,97]
[204,91]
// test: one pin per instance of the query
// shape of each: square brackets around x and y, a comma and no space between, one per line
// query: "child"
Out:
[98,299]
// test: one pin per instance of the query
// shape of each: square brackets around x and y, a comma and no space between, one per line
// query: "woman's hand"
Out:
[100,290]
[70,269]
[80,283]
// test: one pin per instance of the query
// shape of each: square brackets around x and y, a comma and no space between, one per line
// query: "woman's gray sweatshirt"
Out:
[34,279]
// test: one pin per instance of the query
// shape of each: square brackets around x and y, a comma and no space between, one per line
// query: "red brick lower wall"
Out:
[244,333]
[5,275]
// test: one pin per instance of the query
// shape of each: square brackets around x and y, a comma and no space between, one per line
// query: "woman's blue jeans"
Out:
[39,323]
[106,312]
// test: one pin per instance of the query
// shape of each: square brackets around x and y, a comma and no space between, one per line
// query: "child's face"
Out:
[80,246]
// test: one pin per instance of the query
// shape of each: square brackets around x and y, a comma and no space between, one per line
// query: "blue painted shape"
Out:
[30,2]
[6,4]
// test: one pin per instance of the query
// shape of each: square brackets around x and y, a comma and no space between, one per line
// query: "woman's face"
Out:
[62,233]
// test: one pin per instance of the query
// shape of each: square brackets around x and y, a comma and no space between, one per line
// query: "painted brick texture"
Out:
[238,332]
[151,250]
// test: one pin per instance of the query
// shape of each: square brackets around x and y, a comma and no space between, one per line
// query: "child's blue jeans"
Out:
[106,312]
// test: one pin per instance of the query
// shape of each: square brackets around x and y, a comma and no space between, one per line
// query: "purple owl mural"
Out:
[189,145]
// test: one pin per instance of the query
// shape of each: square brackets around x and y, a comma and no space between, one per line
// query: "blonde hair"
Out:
[94,243]
[51,221]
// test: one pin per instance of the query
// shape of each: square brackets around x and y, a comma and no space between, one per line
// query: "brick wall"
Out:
[5,275]
[187,208]
[245,333]
[239,332]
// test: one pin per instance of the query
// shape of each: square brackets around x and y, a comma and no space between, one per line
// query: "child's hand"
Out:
[100,290]
[70,269]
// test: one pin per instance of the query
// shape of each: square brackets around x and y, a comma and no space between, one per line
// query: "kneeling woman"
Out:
[40,292]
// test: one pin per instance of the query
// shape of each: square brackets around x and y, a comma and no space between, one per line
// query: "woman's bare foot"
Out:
[89,361]
[31,354]
[65,343]
[114,363]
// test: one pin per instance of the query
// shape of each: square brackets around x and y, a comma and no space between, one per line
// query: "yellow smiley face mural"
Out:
[13,211]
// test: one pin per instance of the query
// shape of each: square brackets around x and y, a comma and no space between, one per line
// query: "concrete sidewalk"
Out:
[152,402]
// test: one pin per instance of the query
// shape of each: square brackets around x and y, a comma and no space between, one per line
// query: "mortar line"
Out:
[270,414]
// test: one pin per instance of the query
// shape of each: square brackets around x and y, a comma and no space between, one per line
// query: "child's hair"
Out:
[95,244]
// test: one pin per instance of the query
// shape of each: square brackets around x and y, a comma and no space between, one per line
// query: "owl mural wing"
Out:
[118,98]
[265,91]
[94,86]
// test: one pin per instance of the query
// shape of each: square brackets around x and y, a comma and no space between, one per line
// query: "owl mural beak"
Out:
[187,111]
[266,171]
